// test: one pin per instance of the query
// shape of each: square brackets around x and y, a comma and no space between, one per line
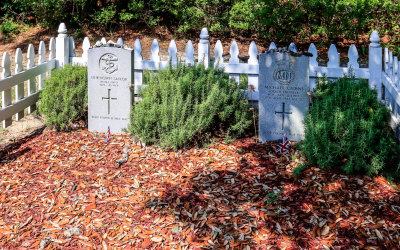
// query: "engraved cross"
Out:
[283,114]
[108,99]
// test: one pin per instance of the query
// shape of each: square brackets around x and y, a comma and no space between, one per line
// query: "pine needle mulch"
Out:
[73,190]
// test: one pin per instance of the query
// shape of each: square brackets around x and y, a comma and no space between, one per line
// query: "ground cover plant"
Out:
[64,98]
[186,104]
[347,127]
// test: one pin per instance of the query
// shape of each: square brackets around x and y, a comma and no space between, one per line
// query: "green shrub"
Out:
[10,28]
[277,20]
[348,127]
[64,98]
[188,104]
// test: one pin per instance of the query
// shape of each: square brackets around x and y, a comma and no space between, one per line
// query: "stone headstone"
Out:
[283,103]
[110,76]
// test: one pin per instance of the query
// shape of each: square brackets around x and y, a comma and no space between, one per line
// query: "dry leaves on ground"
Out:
[67,190]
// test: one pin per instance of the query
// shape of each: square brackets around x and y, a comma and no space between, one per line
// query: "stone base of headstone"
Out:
[283,101]
[110,78]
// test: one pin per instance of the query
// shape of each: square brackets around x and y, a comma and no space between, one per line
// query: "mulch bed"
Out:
[74,190]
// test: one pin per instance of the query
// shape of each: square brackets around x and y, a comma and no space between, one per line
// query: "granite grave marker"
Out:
[283,103]
[110,78]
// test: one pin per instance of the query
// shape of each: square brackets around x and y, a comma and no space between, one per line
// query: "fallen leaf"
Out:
[325,230]
[157,239]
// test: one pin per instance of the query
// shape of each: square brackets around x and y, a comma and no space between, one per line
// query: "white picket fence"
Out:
[391,89]
[32,73]
[385,81]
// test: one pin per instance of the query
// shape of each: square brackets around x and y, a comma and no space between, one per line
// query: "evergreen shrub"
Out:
[9,27]
[188,104]
[64,98]
[347,127]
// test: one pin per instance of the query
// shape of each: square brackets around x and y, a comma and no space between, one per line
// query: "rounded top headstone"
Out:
[204,34]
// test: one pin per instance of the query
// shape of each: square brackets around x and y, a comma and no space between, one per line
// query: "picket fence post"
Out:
[62,46]
[375,64]
[204,48]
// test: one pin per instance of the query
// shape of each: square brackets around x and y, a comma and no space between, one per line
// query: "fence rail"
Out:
[34,75]
[383,73]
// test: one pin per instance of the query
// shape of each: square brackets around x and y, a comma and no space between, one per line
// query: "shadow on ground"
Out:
[241,206]
[5,154]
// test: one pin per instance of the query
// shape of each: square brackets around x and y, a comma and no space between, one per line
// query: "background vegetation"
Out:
[279,20]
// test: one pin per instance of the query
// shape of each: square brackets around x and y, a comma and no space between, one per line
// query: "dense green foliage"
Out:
[64,99]
[272,19]
[187,104]
[347,127]
[9,27]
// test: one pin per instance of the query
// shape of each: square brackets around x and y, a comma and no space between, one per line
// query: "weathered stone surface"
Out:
[283,104]
[110,76]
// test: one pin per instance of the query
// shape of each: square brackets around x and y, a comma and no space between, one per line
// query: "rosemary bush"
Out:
[64,99]
[347,127]
[188,104]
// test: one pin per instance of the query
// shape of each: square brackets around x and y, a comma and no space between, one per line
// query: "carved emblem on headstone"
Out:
[284,73]
[108,63]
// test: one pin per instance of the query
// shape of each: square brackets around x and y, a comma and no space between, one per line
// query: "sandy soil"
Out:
[20,129]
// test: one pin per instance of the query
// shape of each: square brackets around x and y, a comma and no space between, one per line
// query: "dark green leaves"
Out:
[347,127]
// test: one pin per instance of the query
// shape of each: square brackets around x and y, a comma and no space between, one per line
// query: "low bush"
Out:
[64,99]
[10,28]
[347,127]
[188,104]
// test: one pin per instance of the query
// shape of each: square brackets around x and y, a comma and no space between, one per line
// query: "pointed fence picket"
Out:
[120,41]
[313,60]
[6,94]
[32,80]
[218,53]
[41,59]
[138,73]
[334,57]
[234,60]
[272,46]
[189,51]
[71,47]
[83,59]
[172,51]
[353,57]
[252,79]
[292,47]
[19,88]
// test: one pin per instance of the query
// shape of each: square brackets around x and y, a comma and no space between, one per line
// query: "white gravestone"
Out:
[110,76]
[283,103]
